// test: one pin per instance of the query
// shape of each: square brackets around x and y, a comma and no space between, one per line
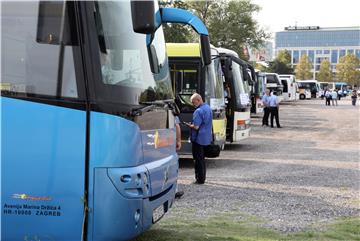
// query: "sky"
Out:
[277,14]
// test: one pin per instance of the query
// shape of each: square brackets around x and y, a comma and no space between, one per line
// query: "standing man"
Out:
[201,135]
[178,194]
[265,101]
[274,110]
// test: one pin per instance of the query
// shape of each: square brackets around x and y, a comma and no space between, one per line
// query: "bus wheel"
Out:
[302,97]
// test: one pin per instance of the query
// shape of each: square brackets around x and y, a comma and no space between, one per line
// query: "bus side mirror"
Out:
[50,21]
[205,49]
[143,16]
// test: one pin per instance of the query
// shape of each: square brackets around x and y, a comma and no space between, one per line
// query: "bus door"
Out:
[43,124]
[185,78]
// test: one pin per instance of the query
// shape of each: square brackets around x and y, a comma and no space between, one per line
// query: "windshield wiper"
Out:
[141,110]
[151,105]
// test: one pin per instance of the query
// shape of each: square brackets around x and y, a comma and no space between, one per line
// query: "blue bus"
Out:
[343,88]
[87,127]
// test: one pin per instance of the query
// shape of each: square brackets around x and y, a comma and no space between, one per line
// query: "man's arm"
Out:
[178,137]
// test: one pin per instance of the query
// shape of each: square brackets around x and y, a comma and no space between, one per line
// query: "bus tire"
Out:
[302,97]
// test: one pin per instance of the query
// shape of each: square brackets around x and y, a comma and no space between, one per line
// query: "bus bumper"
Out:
[240,135]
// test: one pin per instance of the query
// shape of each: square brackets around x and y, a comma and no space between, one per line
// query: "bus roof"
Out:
[227,51]
[183,49]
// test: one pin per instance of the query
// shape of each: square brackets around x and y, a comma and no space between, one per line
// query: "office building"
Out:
[318,44]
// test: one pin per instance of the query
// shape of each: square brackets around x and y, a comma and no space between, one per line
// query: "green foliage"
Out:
[284,56]
[348,69]
[282,63]
[230,23]
[280,67]
[176,33]
[303,68]
[325,74]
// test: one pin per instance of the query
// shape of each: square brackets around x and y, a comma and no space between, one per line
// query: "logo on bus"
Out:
[28,197]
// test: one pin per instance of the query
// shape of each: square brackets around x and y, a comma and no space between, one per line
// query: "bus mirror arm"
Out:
[205,49]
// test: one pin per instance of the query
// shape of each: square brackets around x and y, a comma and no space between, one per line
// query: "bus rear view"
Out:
[88,149]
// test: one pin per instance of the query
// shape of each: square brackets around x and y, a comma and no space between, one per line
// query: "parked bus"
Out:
[88,150]
[258,92]
[190,75]
[312,85]
[273,83]
[343,88]
[237,100]
[289,87]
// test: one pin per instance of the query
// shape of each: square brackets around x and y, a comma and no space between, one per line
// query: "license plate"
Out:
[158,213]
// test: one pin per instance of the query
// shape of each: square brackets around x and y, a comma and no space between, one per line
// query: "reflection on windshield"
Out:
[243,97]
[125,61]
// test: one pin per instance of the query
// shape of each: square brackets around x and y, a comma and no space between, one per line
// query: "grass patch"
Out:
[225,228]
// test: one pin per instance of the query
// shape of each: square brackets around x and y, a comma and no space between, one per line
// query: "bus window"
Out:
[285,85]
[136,82]
[31,66]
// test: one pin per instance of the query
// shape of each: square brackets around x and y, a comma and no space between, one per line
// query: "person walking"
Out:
[274,110]
[334,96]
[353,97]
[201,135]
[265,101]
[327,97]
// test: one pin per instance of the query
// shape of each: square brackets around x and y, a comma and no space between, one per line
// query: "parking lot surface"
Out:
[293,178]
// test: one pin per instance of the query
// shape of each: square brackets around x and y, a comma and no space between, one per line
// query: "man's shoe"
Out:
[279,127]
[197,182]
[179,194]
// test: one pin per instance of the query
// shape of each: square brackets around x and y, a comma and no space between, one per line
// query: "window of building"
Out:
[318,51]
[295,56]
[326,51]
[350,51]
[357,53]
[334,56]
[317,67]
[319,60]
[303,52]
[311,56]
[342,53]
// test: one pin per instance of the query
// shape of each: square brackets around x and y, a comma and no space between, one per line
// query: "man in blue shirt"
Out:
[274,110]
[265,101]
[201,135]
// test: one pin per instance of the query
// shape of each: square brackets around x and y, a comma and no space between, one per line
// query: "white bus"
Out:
[289,87]
[312,85]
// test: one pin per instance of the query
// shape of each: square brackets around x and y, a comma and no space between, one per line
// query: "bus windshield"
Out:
[138,72]
[214,90]
[239,88]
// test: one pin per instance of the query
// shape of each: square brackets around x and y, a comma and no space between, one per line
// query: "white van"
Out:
[289,87]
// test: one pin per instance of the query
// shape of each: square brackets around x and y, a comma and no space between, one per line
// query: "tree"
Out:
[347,70]
[325,74]
[231,25]
[303,68]
[176,33]
[282,63]
[284,56]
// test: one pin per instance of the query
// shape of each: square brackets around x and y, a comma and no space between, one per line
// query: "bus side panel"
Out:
[114,143]
[131,173]
[219,129]
[43,157]
[243,133]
